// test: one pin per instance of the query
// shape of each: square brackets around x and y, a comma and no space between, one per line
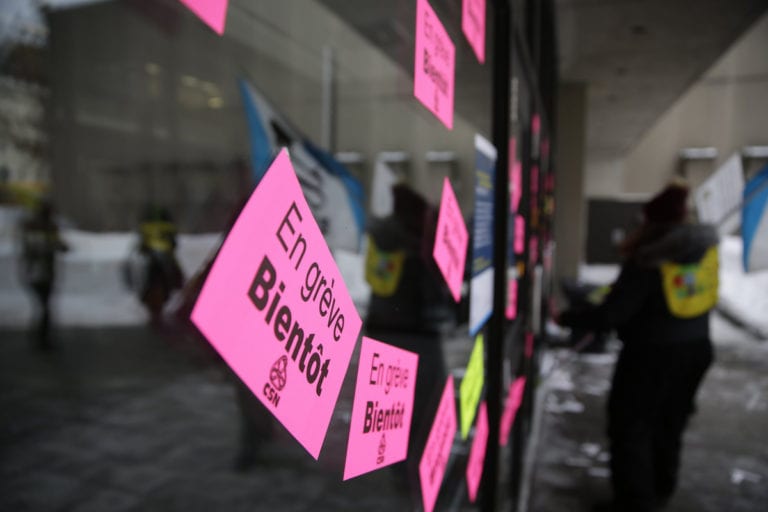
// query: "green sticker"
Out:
[472,386]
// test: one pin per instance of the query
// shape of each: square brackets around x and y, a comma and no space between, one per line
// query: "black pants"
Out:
[42,293]
[652,397]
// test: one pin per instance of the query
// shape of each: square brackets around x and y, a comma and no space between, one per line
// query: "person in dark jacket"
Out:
[660,307]
[40,243]
[409,307]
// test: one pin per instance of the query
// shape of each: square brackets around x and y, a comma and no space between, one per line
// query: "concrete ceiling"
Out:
[637,57]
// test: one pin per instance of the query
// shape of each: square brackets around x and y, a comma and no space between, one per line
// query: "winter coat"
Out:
[638,305]
[406,292]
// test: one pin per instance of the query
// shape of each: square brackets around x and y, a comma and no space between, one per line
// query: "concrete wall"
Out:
[726,109]
[570,205]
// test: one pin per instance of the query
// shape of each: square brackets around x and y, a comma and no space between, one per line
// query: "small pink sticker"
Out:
[519,234]
[517,185]
[534,181]
[536,123]
[512,404]
[511,311]
[276,308]
[451,238]
[473,26]
[438,448]
[549,182]
[383,408]
[477,453]
[533,249]
[545,148]
[434,64]
[515,177]
[212,12]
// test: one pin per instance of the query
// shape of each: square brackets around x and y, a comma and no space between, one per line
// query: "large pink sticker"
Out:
[212,12]
[473,25]
[519,245]
[276,308]
[434,64]
[451,238]
[511,311]
[477,453]
[383,408]
[512,404]
[438,448]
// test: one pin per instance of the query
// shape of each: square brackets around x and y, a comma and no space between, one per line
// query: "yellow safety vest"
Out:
[691,289]
[383,269]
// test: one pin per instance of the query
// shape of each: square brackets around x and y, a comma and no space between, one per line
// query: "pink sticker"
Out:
[528,344]
[212,12]
[549,182]
[545,148]
[451,238]
[515,177]
[534,181]
[536,123]
[473,25]
[383,408]
[511,311]
[533,249]
[477,453]
[276,308]
[517,186]
[512,404]
[438,448]
[434,64]
[519,234]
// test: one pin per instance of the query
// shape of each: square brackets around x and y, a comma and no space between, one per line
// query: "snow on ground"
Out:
[90,290]
[742,295]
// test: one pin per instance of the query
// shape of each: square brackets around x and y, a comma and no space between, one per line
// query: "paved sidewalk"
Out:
[122,420]
[725,455]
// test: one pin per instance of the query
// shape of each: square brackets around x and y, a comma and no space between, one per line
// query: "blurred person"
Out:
[409,306]
[162,273]
[40,243]
[660,306]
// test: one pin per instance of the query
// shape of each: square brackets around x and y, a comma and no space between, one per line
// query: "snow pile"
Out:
[743,296]
[90,290]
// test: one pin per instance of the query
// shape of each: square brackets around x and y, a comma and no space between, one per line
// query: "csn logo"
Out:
[278,376]
[382,449]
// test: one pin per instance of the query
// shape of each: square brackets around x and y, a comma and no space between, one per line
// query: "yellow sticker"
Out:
[472,386]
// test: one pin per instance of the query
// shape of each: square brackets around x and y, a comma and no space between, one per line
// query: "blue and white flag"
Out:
[335,196]
[754,222]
